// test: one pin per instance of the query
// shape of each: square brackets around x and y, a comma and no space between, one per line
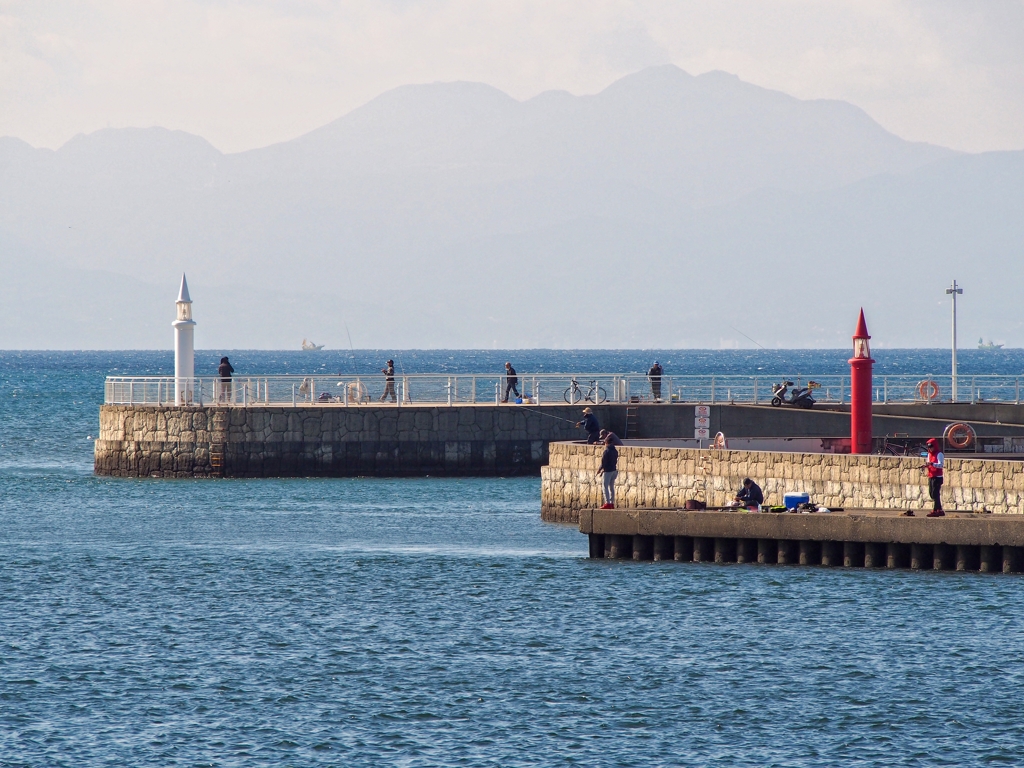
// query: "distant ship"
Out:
[988,347]
[309,346]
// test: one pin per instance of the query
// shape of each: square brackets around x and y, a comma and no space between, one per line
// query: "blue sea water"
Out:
[438,622]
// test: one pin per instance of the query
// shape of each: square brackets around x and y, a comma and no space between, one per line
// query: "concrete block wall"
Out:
[143,441]
[667,477]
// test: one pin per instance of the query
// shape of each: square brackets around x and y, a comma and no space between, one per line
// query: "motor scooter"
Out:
[801,396]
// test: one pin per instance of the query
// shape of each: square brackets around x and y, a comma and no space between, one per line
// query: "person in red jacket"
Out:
[935,463]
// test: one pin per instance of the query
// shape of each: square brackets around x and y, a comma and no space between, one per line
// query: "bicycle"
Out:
[595,394]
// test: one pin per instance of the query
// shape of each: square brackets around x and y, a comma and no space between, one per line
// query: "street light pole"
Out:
[953,292]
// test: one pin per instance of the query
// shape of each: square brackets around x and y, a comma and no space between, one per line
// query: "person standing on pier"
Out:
[224,370]
[590,426]
[389,382]
[654,376]
[609,470]
[935,463]
[511,381]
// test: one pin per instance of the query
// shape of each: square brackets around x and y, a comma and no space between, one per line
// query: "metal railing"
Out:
[547,388]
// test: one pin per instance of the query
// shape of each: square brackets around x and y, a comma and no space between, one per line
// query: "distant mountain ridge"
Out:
[452,214]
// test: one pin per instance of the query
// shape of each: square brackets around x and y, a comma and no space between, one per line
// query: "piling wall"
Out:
[666,478]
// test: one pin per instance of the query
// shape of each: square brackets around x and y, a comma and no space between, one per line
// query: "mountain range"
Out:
[668,210]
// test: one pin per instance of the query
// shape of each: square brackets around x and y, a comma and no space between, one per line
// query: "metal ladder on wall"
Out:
[218,436]
[632,422]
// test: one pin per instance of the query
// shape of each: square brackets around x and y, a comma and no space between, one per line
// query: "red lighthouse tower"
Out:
[860,389]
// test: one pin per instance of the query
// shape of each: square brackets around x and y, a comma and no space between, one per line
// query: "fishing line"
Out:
[549,415]
[741,333]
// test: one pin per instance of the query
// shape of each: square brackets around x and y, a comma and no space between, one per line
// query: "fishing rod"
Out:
[549,415]
[741,333]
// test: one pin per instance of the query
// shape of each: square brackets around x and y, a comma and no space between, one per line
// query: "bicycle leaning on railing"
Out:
[595,394]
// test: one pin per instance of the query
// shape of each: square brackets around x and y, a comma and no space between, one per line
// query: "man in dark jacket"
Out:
[511,381]
[224,370]
[609,468]
[590,426]
[750,494]
[654,375]
[606,435]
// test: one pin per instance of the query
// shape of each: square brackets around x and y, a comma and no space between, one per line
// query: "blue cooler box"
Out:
[794,500]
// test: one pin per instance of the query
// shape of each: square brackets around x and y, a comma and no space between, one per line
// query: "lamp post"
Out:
[184,347]
[860,389]
[954,291]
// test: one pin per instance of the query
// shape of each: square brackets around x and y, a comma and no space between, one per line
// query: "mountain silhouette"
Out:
[451,214]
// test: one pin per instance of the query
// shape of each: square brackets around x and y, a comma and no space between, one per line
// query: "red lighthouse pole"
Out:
[860,390]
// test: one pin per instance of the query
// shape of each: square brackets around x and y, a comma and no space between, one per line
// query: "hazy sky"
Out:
[246,74]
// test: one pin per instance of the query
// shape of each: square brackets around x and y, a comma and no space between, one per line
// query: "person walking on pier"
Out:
[935,463]
[511,381]
[389,382]
[224,370]
[654,376]
[609,470]
[590,426]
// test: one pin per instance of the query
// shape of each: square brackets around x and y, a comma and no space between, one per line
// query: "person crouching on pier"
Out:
[590,425]
[935,463]
[609,469]
[750,495]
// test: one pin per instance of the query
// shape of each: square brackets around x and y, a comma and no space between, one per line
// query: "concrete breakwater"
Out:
[985,543]
[144,440]
[170,441]
[665,478]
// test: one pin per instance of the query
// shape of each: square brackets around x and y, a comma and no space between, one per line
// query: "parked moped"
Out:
[801,397]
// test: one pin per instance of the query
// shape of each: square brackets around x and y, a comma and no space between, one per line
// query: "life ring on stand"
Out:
[357,392]
[720,442]
[960,436]
[928,389]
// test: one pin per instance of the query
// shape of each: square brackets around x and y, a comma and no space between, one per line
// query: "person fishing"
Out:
[654,376]
[750,494]
[935,463]
[511,381]
[389,382]
[609,471]
[590,426]
[224,370]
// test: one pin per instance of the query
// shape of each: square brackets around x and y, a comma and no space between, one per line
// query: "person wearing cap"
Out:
[389,382]
[590,425]
[654,375]
[511,381]
[606,434]
[224,370]
[608,472]
[935,463]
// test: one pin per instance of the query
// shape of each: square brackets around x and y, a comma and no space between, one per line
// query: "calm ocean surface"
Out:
[438,622]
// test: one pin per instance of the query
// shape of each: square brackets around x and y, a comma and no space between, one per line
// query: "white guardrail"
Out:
[548,388]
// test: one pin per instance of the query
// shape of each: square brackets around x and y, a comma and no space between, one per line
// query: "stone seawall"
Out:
[145,441]
[665,478]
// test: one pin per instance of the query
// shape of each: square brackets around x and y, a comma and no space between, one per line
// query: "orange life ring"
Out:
[960,435]
[928,389]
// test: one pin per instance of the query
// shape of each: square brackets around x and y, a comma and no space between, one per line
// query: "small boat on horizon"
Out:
[309,346]
[988,347]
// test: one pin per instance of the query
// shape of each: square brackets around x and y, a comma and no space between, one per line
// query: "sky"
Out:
[249,74]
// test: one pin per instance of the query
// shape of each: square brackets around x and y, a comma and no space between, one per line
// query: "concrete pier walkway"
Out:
[854,538]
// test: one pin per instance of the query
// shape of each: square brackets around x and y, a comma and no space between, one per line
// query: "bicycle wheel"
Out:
[572,396]
[601,395]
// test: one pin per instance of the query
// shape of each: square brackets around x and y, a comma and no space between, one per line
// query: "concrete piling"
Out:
[787,552]
[1012,560]
[831,553]
[942,557]
[920,556]
[809,552]
[725,550]
[596,545]
[662,549]
[682,548]
[853,554]
[874,555]
[643,548]
[897,555]
[703,549]
[991,558]
[746,550]
[767,551]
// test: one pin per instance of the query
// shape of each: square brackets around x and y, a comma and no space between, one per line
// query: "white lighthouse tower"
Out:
[184,347]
